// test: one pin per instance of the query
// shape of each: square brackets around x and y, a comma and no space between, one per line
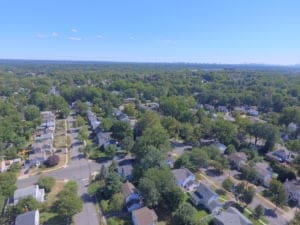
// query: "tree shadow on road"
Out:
[270,213]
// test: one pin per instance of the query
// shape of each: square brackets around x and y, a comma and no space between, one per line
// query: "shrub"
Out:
[221,192]
[52,160]
[227,184]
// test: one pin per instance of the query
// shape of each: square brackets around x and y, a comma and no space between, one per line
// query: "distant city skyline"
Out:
[191,31]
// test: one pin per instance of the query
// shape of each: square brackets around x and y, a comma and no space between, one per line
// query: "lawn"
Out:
[200,214]
[254,221]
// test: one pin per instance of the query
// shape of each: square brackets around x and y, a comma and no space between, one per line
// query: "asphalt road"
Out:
[79,169]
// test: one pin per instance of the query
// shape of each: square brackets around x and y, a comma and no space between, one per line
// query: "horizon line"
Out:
[152,62]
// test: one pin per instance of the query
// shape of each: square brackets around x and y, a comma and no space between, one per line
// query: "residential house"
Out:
[205,196]
[103,137]
[144,216]
[6,164]
[184,178]
[252,112]
[125,168]
[282,155]
[149,106]
[125,171]
[94,122]
[264,173]
[35,160]
[292,127]
[292,189]
[222,109]
[221,147]
[169,161]
[129,100]
[28,218]
[33,191]
[238,159]
[132,198]
[231,216]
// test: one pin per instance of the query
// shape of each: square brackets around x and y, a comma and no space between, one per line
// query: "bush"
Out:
[52,160]
[227,184]
[47,183]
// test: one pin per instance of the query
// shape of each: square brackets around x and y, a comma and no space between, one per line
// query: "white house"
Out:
[183,177]
[206,197]
[33,191]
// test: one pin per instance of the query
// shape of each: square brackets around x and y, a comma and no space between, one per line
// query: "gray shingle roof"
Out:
[28,218]
[181,174]
[232,216]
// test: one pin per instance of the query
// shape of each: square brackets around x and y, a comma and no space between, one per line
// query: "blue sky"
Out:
[203,31]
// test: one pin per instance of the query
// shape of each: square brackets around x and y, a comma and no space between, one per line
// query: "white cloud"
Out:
[167,42]
[75,38]
[99,36]
[74,30]
[39,35]
[55,34]
[131,37]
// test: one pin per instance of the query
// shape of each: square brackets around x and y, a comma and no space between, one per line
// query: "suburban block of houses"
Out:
[43,141]
[33,191]
[144,216]
[131,196]
[28,218]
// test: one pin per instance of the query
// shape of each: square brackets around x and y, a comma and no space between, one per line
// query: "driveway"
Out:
[79,170]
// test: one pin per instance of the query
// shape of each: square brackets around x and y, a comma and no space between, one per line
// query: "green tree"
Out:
[112,185]
[32,113]
[225,131]
[158,188]
[7,183]
[83,134]
[27,204]
[227,184]
[148,119]
[46,183]
[277,193]
[259,211]
[155,136]
[79,121]
[184,215]
[110,151]
[68,205]
[130,110]
[120,130]
[116,203]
